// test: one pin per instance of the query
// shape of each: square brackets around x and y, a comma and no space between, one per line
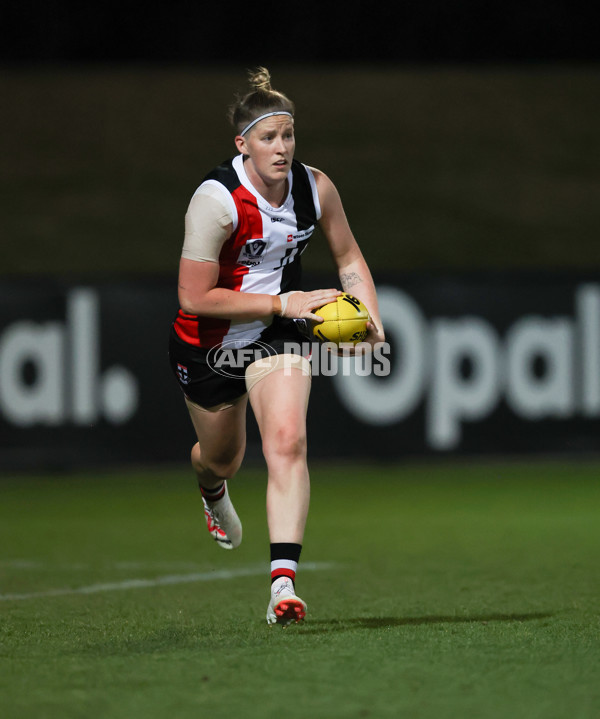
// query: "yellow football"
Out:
[344,321]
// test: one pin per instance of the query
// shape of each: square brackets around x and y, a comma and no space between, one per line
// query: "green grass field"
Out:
[434,590]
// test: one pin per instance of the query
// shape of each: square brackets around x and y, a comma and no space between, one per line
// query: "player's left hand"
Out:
[374,336]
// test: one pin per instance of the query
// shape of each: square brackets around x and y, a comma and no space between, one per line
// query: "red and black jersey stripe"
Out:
[256,221]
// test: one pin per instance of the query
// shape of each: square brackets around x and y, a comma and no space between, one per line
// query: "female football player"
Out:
[245,230]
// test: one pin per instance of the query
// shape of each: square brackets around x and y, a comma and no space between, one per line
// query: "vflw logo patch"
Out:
[252,253]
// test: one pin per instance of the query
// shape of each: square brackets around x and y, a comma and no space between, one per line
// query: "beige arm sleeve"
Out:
[208,223]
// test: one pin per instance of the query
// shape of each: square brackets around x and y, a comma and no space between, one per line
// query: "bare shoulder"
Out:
[328,194]
[320,177]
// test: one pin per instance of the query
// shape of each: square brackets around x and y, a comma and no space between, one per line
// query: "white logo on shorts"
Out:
[228,359]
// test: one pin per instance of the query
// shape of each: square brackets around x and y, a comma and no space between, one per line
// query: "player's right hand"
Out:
[299,305]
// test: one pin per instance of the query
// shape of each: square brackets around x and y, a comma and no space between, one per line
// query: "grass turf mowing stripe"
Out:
[211,576]
[459,590]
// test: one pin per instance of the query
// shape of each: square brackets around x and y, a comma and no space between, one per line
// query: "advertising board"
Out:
[475,364]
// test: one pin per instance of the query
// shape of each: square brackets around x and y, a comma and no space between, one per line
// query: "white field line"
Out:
[45,566]
[252,571]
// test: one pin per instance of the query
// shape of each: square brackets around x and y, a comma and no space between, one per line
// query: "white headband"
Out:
[262,117]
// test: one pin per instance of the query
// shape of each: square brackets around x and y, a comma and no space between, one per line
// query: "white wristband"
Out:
[284,300]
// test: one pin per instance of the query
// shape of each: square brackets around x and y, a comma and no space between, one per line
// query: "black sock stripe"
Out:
[285,550]
[215,492]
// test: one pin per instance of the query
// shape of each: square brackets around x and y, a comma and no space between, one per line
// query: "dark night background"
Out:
[425,31]
[462,136]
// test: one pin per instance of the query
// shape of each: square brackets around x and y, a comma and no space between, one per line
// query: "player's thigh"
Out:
[221,432]
[279,402]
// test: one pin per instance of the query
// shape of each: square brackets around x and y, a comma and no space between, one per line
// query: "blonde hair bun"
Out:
[260,79]
[261,99]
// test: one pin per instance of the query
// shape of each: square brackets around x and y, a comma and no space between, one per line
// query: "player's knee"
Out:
[285,444]
[195,457]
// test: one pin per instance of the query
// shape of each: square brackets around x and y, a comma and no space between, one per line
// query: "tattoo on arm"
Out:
[350,279]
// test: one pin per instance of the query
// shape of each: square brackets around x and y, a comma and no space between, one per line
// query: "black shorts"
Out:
[211,376]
